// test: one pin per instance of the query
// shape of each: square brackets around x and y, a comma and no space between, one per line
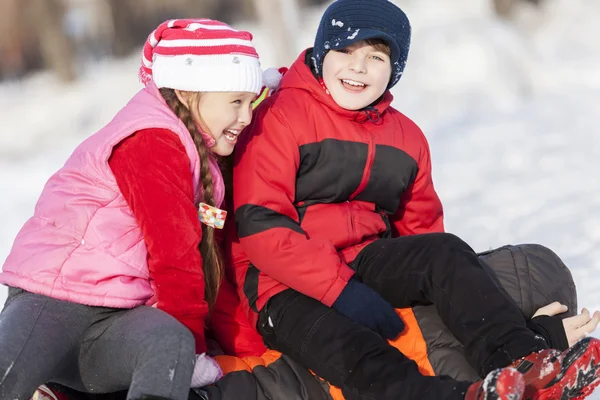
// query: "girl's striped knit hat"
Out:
[201,55]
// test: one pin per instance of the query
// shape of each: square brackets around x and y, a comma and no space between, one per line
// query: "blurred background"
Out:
[62,35]
[506,91]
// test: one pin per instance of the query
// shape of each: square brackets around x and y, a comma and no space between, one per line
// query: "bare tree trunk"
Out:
[58,50]
[12,63]
[122,19]
[307,3]
[504,8]
[232,10]
[281,17]
[199,8]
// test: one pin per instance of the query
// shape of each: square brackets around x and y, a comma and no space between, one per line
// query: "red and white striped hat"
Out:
[201,55]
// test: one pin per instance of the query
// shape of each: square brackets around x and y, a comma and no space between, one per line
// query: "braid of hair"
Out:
[212,259]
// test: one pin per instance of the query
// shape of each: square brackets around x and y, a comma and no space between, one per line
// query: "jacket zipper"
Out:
[350,222]
[367,172]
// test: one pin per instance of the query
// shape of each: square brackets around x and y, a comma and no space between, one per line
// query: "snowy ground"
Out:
[511,110]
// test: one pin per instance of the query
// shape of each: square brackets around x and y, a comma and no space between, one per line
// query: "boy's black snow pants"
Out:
[438,269]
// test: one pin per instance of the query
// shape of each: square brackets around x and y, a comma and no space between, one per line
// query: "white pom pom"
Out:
[271,78]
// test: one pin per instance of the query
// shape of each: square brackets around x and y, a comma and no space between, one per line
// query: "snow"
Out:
[511,111]
[354,34]
[337,23]
[512,114]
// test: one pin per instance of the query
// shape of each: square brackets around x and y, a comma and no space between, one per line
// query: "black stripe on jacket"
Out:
[251,219]
[393,171]
[330,170]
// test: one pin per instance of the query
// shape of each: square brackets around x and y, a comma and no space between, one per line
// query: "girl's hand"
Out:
[206,371]
[576,327]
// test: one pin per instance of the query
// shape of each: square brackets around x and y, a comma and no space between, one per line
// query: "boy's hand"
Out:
[576,327]
[366,307]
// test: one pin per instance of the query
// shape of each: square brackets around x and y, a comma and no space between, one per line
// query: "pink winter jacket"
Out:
[83,243]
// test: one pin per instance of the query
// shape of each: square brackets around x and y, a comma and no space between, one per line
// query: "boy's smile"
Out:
[357,75]
[353,86]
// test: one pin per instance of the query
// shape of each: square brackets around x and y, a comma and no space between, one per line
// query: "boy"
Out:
[339,224]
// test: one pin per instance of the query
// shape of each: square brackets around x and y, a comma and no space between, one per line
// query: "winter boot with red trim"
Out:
[500,384]
[572,374]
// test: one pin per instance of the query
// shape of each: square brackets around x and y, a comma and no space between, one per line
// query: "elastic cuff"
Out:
[552,329]
[512,351]
[336,288]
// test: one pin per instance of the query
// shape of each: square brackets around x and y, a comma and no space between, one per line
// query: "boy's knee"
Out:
[449,242]
[451,251]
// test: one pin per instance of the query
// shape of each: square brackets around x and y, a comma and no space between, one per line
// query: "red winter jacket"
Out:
[315,183]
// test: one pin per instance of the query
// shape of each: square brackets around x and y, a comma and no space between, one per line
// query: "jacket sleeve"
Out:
[153,173]
[266,163]
[231,327]
[420,209]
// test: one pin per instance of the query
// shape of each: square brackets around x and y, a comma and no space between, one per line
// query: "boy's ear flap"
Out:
[182,97]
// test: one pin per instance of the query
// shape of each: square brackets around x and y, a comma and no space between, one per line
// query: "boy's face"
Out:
[357,75]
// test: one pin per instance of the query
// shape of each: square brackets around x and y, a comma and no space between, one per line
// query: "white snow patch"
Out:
[354,34]
[337,23]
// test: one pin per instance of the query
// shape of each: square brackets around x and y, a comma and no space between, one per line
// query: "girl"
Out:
[339,223]
[118,229]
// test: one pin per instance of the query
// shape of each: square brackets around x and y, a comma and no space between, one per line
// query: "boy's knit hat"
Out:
[348,21]
[201,55]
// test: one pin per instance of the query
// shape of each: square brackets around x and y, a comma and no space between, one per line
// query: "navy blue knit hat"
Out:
[349,21]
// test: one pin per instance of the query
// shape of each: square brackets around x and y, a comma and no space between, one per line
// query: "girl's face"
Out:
[223,115]
[357,75]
